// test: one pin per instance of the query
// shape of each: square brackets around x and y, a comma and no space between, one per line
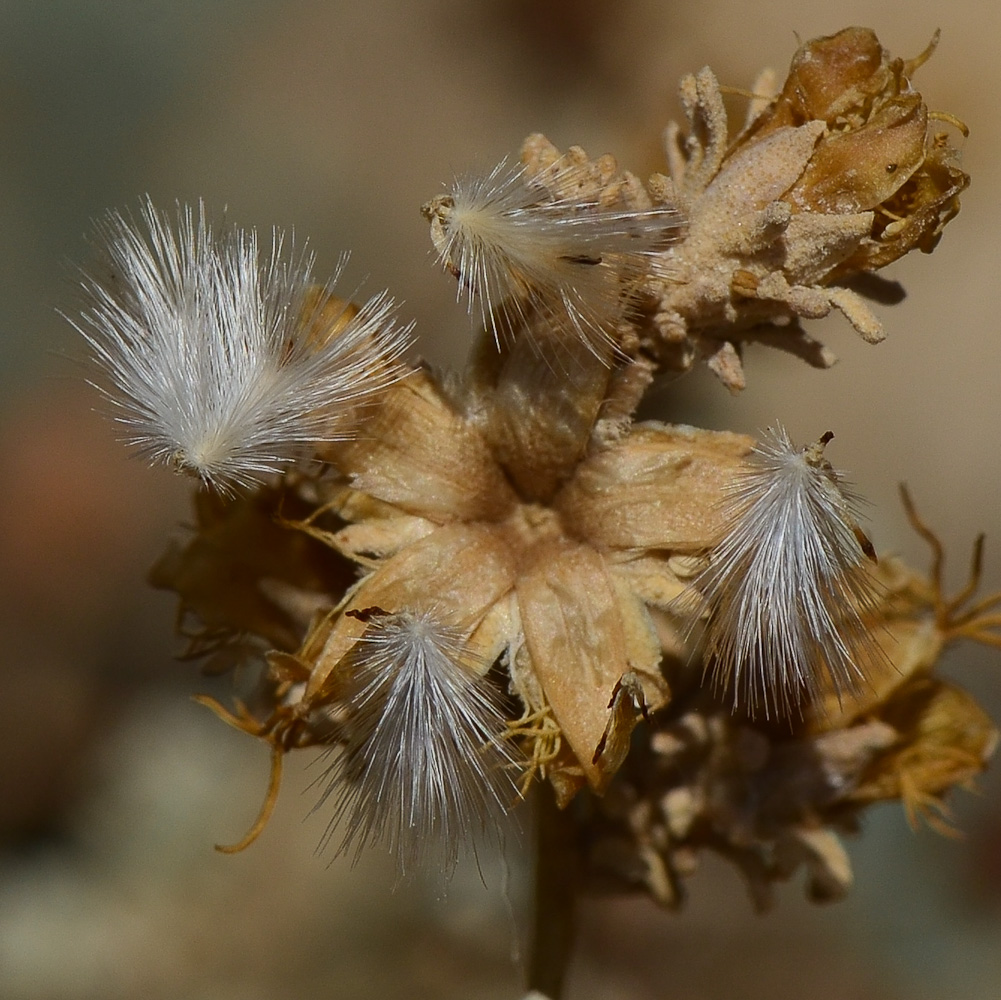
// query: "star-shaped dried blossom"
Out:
[514,509]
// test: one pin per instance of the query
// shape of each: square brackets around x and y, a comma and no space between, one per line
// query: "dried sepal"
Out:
[913,620]
[243,573]
[787,589]
[421,765]
[944,739]
[223,361]
[526,243]
[837,176]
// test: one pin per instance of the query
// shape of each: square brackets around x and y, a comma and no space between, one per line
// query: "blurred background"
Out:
[339,119]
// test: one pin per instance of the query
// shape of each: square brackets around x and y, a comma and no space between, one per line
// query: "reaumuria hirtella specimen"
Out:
[460,585]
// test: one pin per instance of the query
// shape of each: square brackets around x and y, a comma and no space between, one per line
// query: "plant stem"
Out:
[557,868]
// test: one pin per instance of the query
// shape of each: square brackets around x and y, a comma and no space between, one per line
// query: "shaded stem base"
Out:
[557,872]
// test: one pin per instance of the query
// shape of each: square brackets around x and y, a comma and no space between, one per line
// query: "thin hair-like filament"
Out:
[787,589]
[224,361]
[421,767]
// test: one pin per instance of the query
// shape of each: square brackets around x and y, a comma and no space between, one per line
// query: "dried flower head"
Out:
[773,800]
[221,363]
[833,178]
[787,586]
[556,241]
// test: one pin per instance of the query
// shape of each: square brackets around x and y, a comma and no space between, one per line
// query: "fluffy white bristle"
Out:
[220,362]
[787,586]
[421,767]
[518,249]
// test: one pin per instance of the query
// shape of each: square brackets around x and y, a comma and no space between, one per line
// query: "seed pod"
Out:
[787,586]
[421,767]
[220,363]
[519,244]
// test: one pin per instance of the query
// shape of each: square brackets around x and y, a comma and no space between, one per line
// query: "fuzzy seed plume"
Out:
[787,586]
[421,767]
[222,360]
[518,249]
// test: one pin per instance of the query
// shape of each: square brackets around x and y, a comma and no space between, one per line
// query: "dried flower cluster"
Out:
[497,577]
[836,175]
[770,801]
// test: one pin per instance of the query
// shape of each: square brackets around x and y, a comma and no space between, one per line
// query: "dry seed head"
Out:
[842,172]
[219,362]
[787,585]
[520,244]
[421,768]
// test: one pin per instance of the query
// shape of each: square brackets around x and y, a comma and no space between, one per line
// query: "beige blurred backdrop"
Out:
[338,119]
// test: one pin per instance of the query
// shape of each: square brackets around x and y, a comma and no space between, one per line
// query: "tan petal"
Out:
[830,77]
[656,489]
[381,537]
[459,572]
[499,630]
[643,646]
[574,635]
[418,453]
[916,215]
[855,171]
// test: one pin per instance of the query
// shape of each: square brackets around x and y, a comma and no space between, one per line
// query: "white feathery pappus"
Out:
[519,246]
[223,361]
[422,766]
[787,586]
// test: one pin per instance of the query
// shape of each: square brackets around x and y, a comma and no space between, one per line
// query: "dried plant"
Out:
[462,586]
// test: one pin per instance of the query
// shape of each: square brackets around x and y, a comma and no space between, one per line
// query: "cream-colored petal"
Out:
[656,579]
[419,454]
[377,537]
[575,638]
[498,632]
[656,489]
[459,572]
[643,648]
